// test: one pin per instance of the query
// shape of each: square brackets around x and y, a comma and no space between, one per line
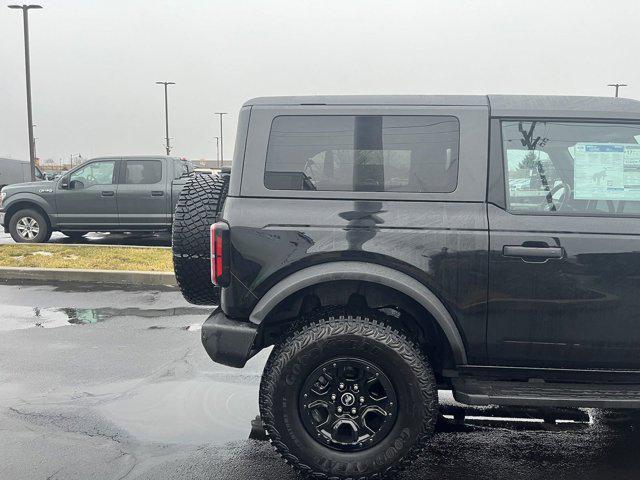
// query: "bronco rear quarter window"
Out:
[363,153]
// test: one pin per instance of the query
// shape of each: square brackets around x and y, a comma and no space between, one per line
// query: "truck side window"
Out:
[94,173]
[142,172]
[563,167]
[366,153]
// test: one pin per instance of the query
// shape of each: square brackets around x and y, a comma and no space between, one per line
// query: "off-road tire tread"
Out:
[375,329]
[198,207]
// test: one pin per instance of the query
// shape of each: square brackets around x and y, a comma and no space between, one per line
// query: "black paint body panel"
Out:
[579,311]
[443,245]
[570,318]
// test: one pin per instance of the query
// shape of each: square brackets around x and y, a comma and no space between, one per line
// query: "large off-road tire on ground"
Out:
[348,397]
[29,226]
[199,205]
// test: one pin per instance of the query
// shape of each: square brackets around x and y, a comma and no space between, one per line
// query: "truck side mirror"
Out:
[64,182]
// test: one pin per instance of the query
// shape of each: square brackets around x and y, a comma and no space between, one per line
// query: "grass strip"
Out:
[86,257]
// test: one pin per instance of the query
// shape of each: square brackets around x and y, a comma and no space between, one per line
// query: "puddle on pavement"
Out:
[16,317]
[222,408]
[196,411]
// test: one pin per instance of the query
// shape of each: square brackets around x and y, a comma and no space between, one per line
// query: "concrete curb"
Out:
[90,276]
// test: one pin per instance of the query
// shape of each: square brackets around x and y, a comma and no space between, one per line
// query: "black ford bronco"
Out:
[392,246]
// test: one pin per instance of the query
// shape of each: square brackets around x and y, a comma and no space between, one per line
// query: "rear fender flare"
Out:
[368,272]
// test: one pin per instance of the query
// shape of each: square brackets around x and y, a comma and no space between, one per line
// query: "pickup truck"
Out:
[107,194]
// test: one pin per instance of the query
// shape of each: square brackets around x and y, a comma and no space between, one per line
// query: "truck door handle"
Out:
[539,253]
[108,193]
[157,193]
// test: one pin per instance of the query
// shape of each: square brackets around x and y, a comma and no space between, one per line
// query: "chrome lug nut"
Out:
[341,386]
[333,397]
[361,399]
[339,409]
[356,388]
[353,411]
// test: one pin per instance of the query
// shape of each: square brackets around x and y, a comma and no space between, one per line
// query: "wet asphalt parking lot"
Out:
[158,239]
[111,383]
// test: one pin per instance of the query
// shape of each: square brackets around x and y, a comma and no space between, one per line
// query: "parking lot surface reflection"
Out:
[143,239]
[16,317]
[108,382]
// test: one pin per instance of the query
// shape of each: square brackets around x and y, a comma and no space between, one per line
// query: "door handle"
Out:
[157,193]
[541,253]
[108,193]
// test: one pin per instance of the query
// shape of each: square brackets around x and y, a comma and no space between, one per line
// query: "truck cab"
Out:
[107,194]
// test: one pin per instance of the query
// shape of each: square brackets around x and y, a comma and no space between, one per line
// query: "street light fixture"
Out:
[166,114]
[221,144]
[617,86]
[25,19]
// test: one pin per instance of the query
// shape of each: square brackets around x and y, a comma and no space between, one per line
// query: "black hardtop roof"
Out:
[479,100]
[501,105]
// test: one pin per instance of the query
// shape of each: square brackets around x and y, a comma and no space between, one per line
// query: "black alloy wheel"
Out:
[348,404]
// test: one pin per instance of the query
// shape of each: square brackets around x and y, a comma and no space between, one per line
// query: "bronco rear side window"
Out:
[363,153]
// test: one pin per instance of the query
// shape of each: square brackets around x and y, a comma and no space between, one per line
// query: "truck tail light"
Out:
[220,254]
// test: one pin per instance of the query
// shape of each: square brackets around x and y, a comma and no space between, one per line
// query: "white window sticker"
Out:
[606,171]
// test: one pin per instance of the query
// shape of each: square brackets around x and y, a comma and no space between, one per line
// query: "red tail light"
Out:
[219,254]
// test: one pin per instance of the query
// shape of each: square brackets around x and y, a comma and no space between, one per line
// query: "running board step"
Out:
[541,394]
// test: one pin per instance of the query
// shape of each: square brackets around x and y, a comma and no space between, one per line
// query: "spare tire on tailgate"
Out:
[198,207]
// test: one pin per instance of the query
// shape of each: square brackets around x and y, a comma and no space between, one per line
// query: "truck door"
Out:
[565,245]
[87,197]
[142,197]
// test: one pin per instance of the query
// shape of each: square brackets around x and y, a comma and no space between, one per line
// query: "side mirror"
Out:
[64,183]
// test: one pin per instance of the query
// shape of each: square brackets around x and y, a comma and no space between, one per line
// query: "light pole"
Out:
[617,86]
[221,136]
[166,113]
[25,18]
[35,152]
[217,150]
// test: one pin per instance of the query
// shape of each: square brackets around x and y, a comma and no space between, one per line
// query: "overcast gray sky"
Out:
[95,62]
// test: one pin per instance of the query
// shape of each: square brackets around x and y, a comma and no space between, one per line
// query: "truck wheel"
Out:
[29,226]
[198,207]
[348,397]
[75,235]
